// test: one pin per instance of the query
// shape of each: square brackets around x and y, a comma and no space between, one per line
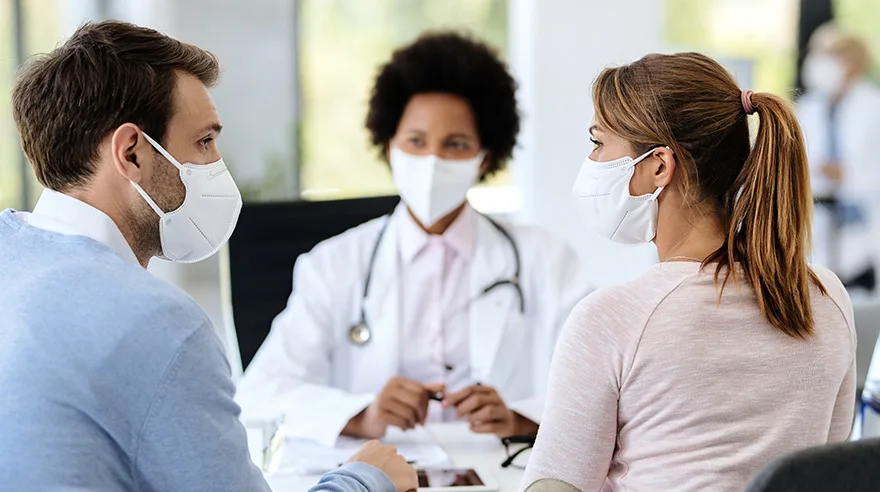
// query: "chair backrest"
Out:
[867,320]
[267,241]
[853,466]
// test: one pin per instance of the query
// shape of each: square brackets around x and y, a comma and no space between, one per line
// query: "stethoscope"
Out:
[360,333]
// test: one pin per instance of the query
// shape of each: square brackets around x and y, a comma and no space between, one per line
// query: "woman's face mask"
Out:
[601,193]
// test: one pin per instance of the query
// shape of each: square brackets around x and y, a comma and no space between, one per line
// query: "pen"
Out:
[435,395]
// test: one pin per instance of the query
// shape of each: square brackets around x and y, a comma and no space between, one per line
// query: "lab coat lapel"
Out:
[381,308]
[493,316]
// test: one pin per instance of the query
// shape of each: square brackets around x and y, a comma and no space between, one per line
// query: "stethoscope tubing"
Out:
[513,281]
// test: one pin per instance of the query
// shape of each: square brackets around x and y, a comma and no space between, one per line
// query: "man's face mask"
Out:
[207,217]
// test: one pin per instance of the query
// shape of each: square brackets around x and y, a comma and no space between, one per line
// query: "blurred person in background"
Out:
[434,301]
[840,116]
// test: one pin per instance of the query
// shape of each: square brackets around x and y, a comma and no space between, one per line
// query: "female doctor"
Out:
[435,312]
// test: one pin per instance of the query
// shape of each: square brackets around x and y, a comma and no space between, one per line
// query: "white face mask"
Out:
[823,74]
[601,193]
[430,186]
[207,217]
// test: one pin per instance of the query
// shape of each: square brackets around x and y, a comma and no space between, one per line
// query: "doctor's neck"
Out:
[439,227]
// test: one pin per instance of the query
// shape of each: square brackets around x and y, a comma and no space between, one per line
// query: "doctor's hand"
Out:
[393,465]
[402,403]
[483,407]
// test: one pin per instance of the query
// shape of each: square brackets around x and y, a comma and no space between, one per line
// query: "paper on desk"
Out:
[310,458]
[255,445]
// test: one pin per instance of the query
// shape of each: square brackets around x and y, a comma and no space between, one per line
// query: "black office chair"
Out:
[849,466]
[262,251]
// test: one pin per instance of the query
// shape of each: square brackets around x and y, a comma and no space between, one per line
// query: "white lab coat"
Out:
[858,116]
[309,371]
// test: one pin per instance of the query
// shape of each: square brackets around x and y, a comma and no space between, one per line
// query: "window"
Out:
[40,30]
[861,17]
[339,46]
[755,39]
[10,160]
[342,44]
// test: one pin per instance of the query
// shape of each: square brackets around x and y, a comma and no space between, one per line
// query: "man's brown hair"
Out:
[107,74]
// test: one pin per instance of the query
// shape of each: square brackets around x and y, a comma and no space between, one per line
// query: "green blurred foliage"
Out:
[763,32]
[862,17]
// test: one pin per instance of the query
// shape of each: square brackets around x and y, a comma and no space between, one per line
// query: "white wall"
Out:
[255,43]
[557,47]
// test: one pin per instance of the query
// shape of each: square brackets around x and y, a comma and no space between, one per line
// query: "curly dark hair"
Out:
[449,63]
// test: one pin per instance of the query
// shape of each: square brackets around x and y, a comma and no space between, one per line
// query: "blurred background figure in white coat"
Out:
[840,115]
[434,312]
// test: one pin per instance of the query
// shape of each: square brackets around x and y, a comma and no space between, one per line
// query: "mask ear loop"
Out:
[656,193]
[660,188]
[140,190]
[162,151]
[643,156]
[149,200]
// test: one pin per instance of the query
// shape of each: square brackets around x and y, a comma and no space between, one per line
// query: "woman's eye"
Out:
[596,143]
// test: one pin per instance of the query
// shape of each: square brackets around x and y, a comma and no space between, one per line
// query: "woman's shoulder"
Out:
[835,292]
[627,307]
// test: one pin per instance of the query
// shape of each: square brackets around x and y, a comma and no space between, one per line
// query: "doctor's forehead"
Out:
[438,112]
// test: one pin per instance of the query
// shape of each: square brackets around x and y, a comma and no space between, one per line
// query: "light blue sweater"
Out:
[113,380]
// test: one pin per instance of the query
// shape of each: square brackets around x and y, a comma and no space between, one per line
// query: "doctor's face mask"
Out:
[431,186]
[203,223]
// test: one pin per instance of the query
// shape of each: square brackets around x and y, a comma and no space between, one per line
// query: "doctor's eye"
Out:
[205,142]
[458,145]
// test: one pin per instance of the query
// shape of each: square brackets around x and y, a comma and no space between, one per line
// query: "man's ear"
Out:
[666,168]
[129,150]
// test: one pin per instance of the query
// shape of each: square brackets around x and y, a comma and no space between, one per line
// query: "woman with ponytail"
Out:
[731,351]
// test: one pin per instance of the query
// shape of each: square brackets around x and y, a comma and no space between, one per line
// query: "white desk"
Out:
[465,449]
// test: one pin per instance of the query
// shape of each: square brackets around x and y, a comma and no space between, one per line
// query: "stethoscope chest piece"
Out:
[359,334]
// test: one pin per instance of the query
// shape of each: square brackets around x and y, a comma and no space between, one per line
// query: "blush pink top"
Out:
[655,385]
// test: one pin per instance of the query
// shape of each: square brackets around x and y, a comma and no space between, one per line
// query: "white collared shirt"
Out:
[57,212]
[435,272]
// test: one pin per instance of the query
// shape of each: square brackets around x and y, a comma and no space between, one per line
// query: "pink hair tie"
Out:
[747,102]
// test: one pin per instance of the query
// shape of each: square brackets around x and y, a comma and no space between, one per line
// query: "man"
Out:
[840,117]
[111,379]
